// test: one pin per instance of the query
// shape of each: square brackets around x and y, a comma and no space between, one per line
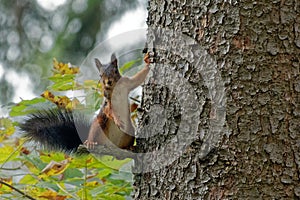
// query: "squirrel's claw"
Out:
[90,144]
[147,58]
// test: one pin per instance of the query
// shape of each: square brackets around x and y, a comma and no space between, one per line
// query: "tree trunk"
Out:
[220,115]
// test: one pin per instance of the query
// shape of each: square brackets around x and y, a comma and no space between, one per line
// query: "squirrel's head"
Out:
[109,73]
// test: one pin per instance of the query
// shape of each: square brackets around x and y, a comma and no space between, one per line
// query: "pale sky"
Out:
[51,5]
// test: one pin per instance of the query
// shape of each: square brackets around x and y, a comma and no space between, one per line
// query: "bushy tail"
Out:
[56,129]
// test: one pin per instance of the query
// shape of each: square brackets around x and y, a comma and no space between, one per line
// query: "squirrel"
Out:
[59,129]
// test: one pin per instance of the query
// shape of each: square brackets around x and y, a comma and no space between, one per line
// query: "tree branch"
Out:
[101,150]
[16,189]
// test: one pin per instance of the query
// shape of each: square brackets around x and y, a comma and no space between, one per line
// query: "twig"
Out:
[11,169]
[134,99]
[65,191]
[16,189]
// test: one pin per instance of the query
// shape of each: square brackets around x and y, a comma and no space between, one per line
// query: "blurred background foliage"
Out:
[33,32]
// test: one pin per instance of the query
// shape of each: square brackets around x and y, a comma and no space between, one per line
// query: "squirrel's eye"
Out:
[109,82]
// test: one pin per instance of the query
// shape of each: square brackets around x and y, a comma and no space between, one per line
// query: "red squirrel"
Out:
[113,123]
[60,129]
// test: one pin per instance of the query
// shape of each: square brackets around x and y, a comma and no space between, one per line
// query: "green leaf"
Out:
[110,197]
[35,165]
[63,86]
[112,162]
[104,173]
[96,164]
[23,107]
[56,156]
[48,184]
[62,82]
[128,65]
[77,182]
[28,179]
[72,173]
[126,176]
[59,77]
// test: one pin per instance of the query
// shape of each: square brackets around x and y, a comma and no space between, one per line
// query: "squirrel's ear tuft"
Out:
[113,59]
[99,65]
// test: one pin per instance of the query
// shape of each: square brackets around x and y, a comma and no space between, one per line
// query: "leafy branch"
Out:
[83,175]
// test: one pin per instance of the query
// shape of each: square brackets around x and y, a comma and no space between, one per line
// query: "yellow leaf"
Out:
[50,194]
[5,188]
[63,68]
[5,153]
[60,101]
[69,106]
[48,95]
[55,168]
[6,128]
[92,183]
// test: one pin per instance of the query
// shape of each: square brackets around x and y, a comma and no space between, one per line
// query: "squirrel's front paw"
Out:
[90,144]
[147,58]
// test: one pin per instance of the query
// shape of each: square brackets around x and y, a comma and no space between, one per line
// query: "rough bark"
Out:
[240,61]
